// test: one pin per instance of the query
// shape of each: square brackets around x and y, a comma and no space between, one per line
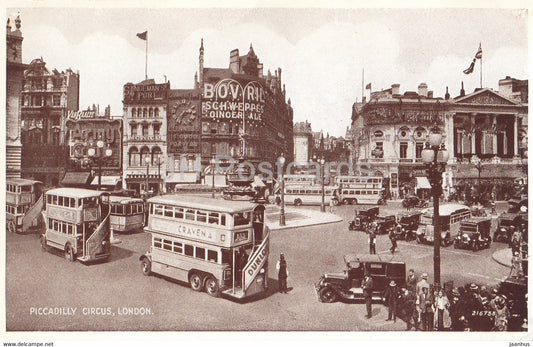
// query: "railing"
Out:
[95,240]
[255,263]
[33,216]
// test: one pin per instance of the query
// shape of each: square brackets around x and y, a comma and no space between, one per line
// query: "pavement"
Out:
[503,257]
[298,217]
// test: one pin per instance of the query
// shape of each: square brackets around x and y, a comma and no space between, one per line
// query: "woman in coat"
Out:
[442,318]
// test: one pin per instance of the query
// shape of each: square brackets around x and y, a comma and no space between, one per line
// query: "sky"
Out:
[322,51]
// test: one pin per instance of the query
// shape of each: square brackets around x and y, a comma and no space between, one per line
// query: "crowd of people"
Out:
[426,307]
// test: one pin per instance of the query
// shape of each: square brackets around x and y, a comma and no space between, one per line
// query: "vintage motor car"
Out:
[346,285]
[385,224]
[409,222]
[503,229]
[414,201]
[362,218]
[474,234]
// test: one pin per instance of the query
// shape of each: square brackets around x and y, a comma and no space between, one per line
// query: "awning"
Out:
[76,178]
[106,181]
[182,177]
[422,183]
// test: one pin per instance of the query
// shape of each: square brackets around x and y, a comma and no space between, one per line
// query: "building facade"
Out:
[46,99]
[145,135]
[480,131]
[244,114]
[14,80]
[303,143]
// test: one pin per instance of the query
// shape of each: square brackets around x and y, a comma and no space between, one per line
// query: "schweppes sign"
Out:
[251,270]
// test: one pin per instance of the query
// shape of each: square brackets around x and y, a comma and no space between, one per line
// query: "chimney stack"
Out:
[395,89]
[430,94]
[447,95]
[462,93]
[423,89]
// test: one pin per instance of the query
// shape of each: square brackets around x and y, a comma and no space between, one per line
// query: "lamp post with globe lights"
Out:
[435,156]
[213,162]
[147,161]
[282,203]
[322,162]
[98,154]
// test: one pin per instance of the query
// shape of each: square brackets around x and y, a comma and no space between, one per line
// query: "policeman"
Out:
[368,286]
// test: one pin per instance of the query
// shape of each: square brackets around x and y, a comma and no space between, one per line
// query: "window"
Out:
[145,130]
[157,242]
[403,150]
[169,211]
[157,128]
[201,216]
[222,219]
[418,149]
[212,256]
[167,244]
[133,113]
[200,253]
[213,218]
[378,151]
[178,212]
[54,199]
[242,218]
[133,129]
[189,214]
[178,247]
[69,229]
[158,210]
[189,250]
[56,100]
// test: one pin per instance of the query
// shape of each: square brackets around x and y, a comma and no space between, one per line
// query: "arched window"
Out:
[133,156]
[145,153]
[145,113]
[156,112]
[156,155]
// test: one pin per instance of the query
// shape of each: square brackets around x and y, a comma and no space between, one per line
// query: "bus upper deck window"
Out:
[189,214]
[158,210]
[242,218]
[169,211]
[213,218]
[178,212]
[26,189]
[223,219]
[54,199]
[201,216]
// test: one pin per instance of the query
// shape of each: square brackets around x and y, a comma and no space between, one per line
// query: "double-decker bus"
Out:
[217,245]
[23,204]
[450,219]
[77,223]
[125,214]
[360,189]
[310,194]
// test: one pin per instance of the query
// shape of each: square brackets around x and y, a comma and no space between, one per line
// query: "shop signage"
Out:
[146,92]
[228,99]
[76,115]
[385,115]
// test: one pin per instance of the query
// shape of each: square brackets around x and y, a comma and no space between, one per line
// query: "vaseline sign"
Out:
[228,99]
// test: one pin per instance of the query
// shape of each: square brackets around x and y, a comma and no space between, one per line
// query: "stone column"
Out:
[515,136]
[494,137]
[473,138]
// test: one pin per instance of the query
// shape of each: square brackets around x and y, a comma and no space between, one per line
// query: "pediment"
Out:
[485,97]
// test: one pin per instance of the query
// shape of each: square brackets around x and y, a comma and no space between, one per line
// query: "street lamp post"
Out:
[282,210]
[98,154]
[435,157]
[159,162]
[213,181]
[147,161]
[322,174]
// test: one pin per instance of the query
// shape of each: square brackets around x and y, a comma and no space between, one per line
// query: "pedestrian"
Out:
[493,207]
[392,237]
[442,317]
[411,280]
[283,273]
[516,239]
[501,315]
[516,266]
[410,309]
[331,204]
[368,286]
[422,283]
[372,241]
[425,302]
[390,297]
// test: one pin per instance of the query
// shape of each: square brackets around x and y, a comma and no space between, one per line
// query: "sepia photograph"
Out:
[251,168]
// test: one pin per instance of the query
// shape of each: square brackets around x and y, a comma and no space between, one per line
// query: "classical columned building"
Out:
[145,135]
[14,79]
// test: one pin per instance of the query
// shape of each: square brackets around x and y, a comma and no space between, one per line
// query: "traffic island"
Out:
[503,257]
[299,217]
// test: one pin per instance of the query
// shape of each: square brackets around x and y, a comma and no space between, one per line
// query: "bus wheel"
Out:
[354,202]
[11,226]
[146,266]
[44,247]
[69,253]
[345,201]
[195,281]
[211,286]
[335,202]
[298,202]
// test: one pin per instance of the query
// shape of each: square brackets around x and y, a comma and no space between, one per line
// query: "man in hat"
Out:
[425,307]
[411,280]
[368,287]
[372,241]
[390,297]
[409,299]
[282,273]
[516,266]
[422,283]
[392,237]
[516,239]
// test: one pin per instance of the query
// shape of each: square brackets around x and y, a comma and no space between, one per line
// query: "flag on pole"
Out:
[369,86]
[143,36]
[470,68]
[479,53]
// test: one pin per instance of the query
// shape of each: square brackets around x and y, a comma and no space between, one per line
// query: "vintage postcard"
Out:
[257,168]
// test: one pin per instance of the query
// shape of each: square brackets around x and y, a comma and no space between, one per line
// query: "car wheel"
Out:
[11,226]
[69,253]
[298,202]
[195,280]
[146,266]
[455,245]
[327,295]
[211,286]
[345,201]
[475,247]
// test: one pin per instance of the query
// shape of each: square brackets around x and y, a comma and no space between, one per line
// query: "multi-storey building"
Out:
[46,98]
[145,135]
[245,114]
[303,143]
[14,77]
[390,131]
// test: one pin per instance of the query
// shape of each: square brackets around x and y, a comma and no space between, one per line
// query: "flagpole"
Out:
[363,86]
[146,60]
[481,72]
